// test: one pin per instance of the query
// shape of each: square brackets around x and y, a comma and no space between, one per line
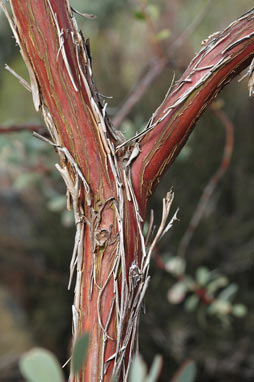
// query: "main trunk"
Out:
[109,181]
[106,288]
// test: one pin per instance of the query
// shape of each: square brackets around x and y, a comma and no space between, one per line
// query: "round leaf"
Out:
[175,265]
[163,34]
[191,303]
[220,307]
[203,276]
[239,310]
[40,365]
[177,293]
[138,369]
[58,203]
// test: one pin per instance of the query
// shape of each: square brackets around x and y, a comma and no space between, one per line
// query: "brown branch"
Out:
[180,40]
[19,128]
[153,71]
[213,182]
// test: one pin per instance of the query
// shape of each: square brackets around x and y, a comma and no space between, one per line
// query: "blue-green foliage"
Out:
[40,365]
[139,373]
[186,373]
[79,352]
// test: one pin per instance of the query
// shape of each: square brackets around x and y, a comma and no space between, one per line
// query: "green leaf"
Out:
[40,365]
[189,282]
[228,293]
[128,128]
[239,310]
[216,284]
[79,352]
[163,35]
[203,275]
[220,307]
[186,373]
[139,15]
[184,154]
[154,11]
[191,303]
[58,203]
[26,179]
[155,369]
[177,292]
[138,369]
[175,265]
[4,141]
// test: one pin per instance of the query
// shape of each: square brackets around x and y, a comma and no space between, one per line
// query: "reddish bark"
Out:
[112,278]
[225,56]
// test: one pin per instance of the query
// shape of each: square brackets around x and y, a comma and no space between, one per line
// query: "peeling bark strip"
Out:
[223,56]
[108,181]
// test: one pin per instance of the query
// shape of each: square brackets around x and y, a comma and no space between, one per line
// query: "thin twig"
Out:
[180,40]
[213,182]
[155,68]
[18,128]
[152,30]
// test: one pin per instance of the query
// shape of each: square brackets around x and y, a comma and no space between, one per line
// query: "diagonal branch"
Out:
[214,180]
[222,57]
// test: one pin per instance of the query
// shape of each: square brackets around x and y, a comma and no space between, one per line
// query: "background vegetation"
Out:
[36,233]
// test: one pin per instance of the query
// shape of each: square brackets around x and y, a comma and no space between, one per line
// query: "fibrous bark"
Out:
[109,181]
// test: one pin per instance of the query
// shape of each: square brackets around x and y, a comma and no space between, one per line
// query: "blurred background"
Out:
[199,305]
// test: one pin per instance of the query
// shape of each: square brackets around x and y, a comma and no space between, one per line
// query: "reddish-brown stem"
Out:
[211,185]
[109,182]
[220,60]
[156,67]
[18,128]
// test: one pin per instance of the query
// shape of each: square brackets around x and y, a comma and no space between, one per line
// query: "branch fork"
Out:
[109,181]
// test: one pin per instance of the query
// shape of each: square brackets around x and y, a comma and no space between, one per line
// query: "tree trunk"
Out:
[109,181]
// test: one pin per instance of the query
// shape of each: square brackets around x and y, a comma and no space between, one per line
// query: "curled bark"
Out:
[109,181]
[223,56]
